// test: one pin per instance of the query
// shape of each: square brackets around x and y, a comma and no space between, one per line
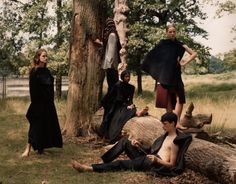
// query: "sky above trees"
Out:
[219,29]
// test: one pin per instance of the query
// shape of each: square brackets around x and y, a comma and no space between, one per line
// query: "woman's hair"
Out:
[36,60]
[168,26]
[110,27]
[124,73]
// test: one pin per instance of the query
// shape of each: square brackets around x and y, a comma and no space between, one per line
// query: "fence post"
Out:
[4,87]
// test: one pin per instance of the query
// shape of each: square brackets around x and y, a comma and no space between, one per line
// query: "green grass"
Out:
[216,96]
[54,166]
[212,91]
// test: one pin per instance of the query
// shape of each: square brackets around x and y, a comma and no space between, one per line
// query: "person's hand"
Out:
[153,158]
[183,62]
[135,143]
[130,106]
[97,41]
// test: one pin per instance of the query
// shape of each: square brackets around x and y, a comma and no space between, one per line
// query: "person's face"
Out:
[127,78]
[166,125]
[43,57]
[171,33]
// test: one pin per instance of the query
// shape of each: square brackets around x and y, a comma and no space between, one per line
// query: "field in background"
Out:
[214,94]
[210,93]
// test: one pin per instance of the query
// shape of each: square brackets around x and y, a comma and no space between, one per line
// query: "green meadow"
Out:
[210,94]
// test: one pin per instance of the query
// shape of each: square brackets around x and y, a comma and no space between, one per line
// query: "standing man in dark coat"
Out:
[44,131]
[165,156]
[164,63]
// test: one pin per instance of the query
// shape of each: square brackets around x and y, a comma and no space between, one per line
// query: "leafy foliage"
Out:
[147,25]
[216,65]
[224,7]
[31,26]
[230,60]
[11,38]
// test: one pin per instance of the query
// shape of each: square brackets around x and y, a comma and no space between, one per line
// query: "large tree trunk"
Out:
[85,72]
[121,10]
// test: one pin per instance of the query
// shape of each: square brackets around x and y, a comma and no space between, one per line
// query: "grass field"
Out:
[214,94]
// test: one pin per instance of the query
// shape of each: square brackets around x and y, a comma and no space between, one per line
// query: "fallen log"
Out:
[196,121]
[213,161]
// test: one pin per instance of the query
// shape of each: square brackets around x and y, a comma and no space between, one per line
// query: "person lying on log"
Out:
[165,156]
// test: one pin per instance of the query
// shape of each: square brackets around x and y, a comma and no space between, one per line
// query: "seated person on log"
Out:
[118,108]
[165,156]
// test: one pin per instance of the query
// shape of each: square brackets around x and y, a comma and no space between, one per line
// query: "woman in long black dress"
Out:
[44,131]
[118,108]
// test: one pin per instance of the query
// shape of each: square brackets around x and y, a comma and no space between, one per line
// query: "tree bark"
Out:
[85,74]
[59,42]
[121,10]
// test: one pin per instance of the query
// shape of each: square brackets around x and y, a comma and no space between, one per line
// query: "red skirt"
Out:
[161,96]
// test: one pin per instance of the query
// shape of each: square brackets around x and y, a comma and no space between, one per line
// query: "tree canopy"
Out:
[28,25]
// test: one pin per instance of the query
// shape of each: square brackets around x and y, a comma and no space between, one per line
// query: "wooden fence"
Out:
[19,86]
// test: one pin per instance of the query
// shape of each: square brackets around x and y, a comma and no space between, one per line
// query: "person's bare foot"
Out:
[143,112]
[180,127]
[27,151]
[25,154]
[80,167]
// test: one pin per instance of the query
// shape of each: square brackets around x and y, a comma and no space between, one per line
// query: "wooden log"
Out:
[196,121]
[213,161]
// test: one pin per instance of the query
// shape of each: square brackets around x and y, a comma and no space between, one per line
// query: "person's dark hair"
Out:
[170,117]
[124,73]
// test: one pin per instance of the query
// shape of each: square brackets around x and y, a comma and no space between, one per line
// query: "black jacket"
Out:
[183,141]
[162,62]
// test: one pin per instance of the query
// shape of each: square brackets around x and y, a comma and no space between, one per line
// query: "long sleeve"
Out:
[110,59]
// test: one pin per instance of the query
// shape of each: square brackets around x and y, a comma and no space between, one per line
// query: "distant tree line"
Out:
[28,25]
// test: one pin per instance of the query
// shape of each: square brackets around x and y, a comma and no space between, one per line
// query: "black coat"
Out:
[44,131]
[162,62]
[116,113]
[183,141]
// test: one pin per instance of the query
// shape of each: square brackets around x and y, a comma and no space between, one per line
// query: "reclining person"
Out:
[165,156]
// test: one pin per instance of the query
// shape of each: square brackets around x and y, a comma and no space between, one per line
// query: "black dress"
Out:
[162,63]
[116,113]
[44,130]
